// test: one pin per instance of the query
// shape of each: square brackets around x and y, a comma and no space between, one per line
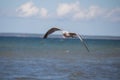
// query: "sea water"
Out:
[34,58]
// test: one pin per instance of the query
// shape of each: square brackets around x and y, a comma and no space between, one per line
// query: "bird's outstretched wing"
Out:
[80,37]
[50,31]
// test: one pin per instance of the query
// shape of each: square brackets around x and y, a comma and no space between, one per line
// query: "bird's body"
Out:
[70,35]
[66,34]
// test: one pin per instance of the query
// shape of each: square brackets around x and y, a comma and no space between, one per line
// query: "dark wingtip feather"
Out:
[50,31]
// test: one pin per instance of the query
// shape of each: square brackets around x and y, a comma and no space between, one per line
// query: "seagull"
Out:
[66,34]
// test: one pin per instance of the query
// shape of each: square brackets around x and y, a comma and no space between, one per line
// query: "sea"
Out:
[35,58]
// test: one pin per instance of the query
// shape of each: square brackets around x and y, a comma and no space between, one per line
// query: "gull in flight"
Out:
[66,34]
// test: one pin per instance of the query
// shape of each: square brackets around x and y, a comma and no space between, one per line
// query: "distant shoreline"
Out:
[55,36]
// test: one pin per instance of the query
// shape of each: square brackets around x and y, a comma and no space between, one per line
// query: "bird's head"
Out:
[65,32]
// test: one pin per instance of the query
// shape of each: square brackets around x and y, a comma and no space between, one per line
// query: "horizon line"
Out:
[56,36]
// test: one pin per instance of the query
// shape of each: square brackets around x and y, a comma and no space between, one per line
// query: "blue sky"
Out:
[87,17]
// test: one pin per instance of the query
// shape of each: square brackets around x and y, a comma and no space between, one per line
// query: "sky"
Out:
[86,17]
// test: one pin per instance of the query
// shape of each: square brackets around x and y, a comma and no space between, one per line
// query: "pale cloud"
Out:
[43,12]
[72,10]
[90,13]
[94,11]
[76,12]
[97,12]
[65,8]
[28,9]
[79,15]
[113,14]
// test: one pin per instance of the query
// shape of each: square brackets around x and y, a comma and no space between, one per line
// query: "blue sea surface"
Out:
[34,58]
